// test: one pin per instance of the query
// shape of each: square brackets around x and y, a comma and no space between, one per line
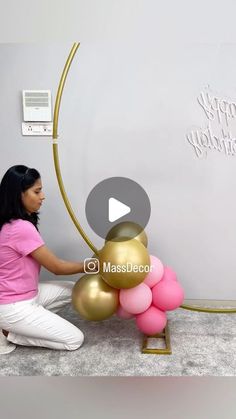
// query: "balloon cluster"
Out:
[149,301]
[130,283]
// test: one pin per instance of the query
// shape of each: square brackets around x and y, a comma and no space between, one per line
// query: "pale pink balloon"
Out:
[152,321]
[167,295]
[137,299]
[156,273]
[123,314]
[169,274]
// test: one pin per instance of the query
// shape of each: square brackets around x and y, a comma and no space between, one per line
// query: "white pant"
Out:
[30,322]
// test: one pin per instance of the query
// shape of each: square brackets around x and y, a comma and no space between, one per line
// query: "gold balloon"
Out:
[124,264]
[128,229]
[93,298]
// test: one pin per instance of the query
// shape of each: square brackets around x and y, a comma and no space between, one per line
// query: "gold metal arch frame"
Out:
[55,148]
[66,200]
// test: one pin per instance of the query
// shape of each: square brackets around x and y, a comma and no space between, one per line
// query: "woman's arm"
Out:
[53,264]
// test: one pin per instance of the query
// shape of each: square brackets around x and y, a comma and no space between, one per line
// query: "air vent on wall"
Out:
[37,105]
[37,113]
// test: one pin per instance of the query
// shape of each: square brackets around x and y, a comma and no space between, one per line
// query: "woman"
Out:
[27,309]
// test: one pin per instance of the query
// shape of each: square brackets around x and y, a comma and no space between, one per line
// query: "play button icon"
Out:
[117,209]
[115,200]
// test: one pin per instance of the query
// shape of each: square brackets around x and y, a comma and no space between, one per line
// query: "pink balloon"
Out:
[152,321]
[123,314]
[137,299]
[167,295]
[156,274]
[169,274]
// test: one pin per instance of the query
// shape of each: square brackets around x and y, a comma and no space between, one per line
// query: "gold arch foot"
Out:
[165,336]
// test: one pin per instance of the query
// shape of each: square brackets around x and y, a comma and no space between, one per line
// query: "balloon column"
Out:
[130,283]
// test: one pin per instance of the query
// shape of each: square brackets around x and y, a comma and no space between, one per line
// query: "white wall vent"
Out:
[37,105]
[37,113]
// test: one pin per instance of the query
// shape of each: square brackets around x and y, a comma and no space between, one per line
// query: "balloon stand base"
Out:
[163,337]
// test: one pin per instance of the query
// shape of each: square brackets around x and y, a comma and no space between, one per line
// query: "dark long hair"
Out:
[16,180]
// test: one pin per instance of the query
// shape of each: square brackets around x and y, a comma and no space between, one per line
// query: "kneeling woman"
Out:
[28,308]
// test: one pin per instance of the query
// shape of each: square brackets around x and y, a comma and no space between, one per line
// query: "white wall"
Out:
[129,102]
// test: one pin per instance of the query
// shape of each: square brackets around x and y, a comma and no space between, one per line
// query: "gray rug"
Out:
[202,344]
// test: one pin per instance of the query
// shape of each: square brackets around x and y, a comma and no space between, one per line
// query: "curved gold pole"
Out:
[55,147]
[208,310]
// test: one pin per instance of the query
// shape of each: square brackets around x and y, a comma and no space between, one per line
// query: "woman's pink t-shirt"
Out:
[19,271]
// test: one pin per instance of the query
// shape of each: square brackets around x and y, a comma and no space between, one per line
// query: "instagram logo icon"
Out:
[91,265]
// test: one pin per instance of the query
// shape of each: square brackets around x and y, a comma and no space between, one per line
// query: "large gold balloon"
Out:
[128,229]
[124,264]
[93,298]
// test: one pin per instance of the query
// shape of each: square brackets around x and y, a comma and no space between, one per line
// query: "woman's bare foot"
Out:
[5,332]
